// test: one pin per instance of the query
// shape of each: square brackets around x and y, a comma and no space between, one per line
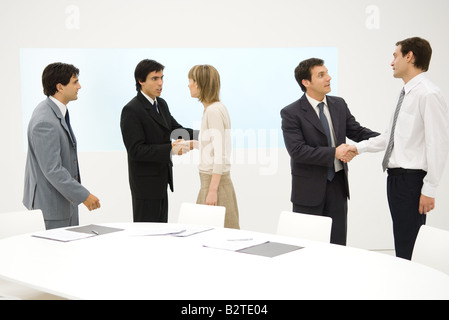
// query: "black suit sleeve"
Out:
[135,140]
[300,148]
[177,130]
[355,131]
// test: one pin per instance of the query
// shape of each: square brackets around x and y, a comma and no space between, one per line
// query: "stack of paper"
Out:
[162,230]
[63,235]
[191,230]
[77,233]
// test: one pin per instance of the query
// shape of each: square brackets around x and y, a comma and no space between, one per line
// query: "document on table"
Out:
[76,233]
[270,249]
[62,235]
[162,230]
[233,244]
[95,229]
[249,245]
[191,230]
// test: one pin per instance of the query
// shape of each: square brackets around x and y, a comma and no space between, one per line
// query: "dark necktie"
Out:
[391,143]
[155,106]
[67,120]
[325,123]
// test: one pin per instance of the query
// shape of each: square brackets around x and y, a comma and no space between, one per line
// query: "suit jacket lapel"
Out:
[310,114]
[151,110]
[163,112]
[58,114]
[335,116]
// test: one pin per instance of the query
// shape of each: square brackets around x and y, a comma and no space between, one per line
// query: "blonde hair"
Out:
[208,81]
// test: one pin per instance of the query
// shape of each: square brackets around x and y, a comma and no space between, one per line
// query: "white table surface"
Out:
[120,266]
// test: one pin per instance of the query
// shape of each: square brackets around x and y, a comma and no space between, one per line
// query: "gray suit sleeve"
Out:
[47,147]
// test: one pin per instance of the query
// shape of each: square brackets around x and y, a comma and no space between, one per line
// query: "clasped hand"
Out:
[181,146]
[346,152]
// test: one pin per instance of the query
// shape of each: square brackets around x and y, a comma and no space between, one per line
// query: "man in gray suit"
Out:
[52,179]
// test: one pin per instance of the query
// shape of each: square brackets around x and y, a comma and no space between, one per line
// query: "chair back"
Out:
[432,248]
[16,223]
[213,216]
[304,226]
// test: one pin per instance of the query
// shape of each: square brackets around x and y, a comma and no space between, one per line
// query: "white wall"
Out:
[365,33]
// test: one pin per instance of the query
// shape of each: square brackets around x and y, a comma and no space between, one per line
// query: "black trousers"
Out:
[335,205]
[150,210]
[404,191]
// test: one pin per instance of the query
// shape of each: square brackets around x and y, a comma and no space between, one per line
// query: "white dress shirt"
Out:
[150,99]
[60,105]
[421,137]
[314,103]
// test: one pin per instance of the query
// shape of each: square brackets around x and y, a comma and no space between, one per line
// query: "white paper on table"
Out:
[191,230]
[63,235]
[156,231]
[234,244]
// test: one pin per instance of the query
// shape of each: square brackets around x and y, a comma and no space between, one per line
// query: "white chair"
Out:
[213,216]
[432,248]
[15,223]
[304,226]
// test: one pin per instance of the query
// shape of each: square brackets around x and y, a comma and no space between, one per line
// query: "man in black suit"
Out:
[315,129]
[147,127]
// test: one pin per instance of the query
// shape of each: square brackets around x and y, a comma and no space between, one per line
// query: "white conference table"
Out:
[124,266]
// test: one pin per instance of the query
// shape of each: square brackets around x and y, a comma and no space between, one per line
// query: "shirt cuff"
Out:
[428,191]
[361,146]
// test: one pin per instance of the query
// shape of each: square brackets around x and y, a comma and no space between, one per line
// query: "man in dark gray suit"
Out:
[52,178]
[315,129]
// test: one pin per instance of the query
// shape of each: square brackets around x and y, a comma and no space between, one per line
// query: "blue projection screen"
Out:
[256,84]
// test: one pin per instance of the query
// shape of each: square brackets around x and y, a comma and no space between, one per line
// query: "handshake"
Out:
[181,146]
[346,152]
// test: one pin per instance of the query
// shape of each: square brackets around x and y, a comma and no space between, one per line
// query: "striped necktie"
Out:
[391,143]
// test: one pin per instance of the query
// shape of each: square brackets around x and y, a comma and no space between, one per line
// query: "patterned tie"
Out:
[391,143]
[330,170]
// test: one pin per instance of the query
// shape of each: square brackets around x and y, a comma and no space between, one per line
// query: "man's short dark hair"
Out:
[57,73]
[144,68]
[421,50]
[302,71]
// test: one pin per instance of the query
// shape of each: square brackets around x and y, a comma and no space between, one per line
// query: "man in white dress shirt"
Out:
[52,178]
[416,144]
